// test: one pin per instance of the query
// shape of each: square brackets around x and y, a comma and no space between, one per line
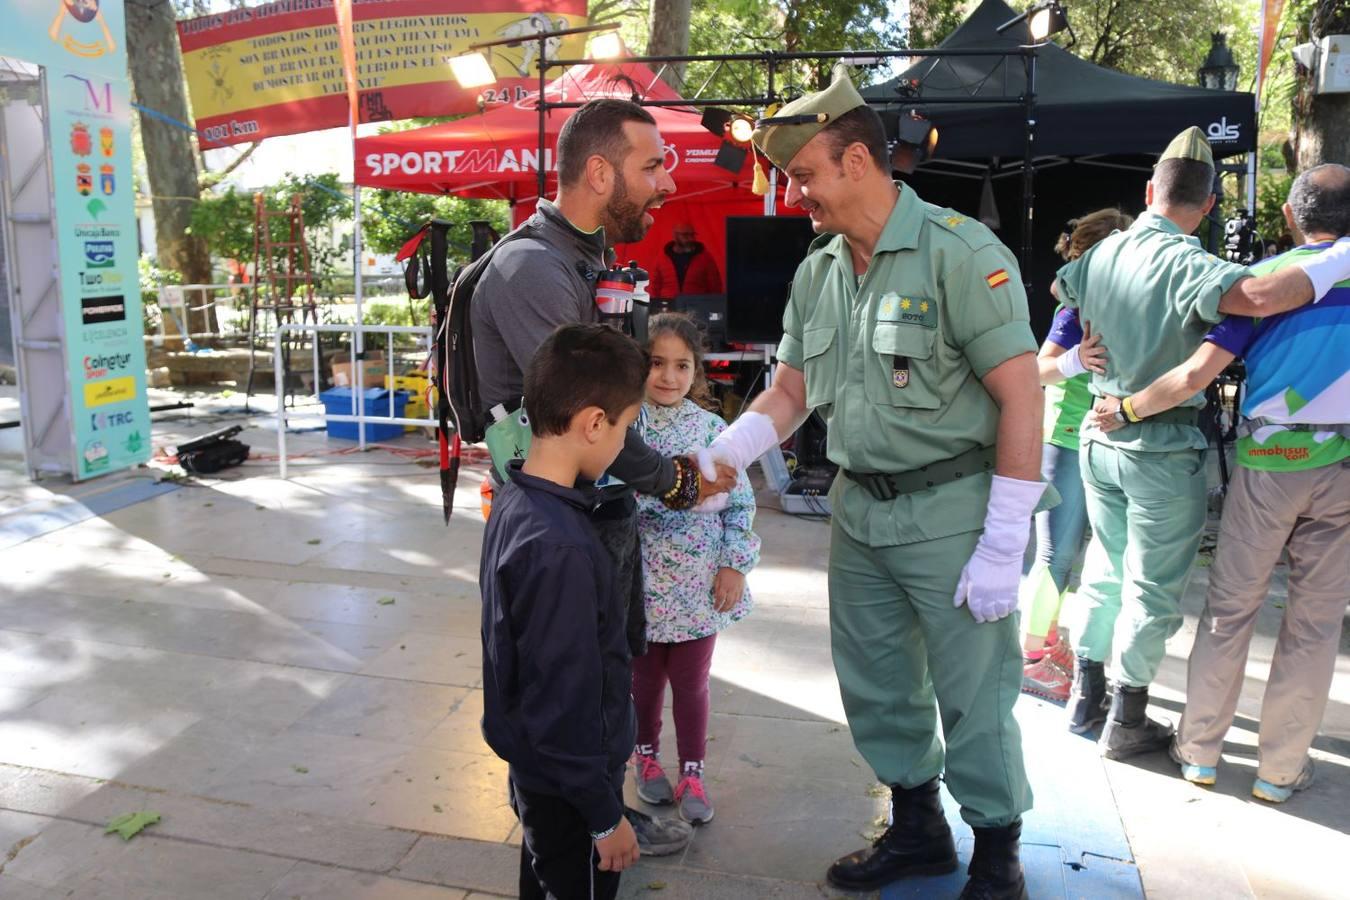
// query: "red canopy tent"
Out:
[495,155]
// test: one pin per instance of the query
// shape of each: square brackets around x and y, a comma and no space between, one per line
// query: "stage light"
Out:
[916,142]
[741,129]
[1043,19]
[607,46]
[472,70]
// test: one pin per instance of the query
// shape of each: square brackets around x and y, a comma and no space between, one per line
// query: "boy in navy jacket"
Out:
[556,669]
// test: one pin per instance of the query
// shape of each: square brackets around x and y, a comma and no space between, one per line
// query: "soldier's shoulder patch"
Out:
[997,278]
[969,230]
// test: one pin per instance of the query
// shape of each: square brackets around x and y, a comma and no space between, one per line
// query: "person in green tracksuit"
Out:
[908,329]
[1152,292]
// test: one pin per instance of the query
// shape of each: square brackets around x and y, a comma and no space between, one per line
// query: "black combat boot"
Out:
[919,842]
[1087,697]
[1128,730]
[995,867]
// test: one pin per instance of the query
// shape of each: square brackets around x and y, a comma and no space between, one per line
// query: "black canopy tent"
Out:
[1097,133]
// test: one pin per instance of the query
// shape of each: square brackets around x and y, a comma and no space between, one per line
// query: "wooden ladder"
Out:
[280,294]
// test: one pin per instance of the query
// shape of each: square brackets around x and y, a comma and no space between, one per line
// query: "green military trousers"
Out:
[905,656]
[1147,510]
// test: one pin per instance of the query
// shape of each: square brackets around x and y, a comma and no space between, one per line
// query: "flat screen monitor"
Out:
[762,256]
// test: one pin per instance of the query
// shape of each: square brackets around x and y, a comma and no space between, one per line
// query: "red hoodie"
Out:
[701,277]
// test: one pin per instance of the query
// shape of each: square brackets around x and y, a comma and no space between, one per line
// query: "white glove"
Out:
[990,579]
[1069,363]
[714,504]
[746,440]
[1327,268]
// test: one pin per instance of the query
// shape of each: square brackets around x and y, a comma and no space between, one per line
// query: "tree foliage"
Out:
[389,218]
[226,220]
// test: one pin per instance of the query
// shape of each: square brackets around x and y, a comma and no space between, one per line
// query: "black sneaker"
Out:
[658,837]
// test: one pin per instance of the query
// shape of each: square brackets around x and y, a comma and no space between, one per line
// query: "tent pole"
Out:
[1028,171]
[543,139]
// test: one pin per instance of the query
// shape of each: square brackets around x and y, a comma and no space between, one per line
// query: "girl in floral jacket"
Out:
[694,567]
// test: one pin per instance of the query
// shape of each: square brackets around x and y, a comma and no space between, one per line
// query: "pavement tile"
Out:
[483,866]
[383,709]
[444,792]
[310,882]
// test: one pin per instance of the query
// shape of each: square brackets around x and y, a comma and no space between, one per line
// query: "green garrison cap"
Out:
[1190,144]
[782,135]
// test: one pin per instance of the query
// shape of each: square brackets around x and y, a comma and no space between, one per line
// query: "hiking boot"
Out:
[1061,655]
[918,842]
[1128,730]
[995,867]
[1045,679]
[1087,696]
[1205,775]
[1278,793]
[695,807]
[658,837]
[652,784]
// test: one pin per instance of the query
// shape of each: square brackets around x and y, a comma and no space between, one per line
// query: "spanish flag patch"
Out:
[994,279]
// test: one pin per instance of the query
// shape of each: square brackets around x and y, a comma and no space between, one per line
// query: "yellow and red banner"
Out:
[278,68]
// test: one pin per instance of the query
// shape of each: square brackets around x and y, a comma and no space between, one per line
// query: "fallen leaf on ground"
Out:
[385,601]
[656,885]
[130,825]
[314,541]
[303,770]
[437,807]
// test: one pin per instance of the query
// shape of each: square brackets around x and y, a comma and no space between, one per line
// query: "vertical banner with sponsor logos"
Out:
[82,46]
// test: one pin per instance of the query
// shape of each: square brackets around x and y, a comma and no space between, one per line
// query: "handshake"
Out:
[731,453]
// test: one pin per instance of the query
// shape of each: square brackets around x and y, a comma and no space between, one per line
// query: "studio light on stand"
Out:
[916,141]
[1043,20]
[472,70]
[735,131]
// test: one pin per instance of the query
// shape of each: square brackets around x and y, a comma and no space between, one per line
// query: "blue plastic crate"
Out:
[338,402]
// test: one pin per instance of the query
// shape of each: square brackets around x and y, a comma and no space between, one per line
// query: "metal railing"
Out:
[358,413]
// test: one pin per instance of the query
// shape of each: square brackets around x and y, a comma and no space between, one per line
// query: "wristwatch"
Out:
[1120,417]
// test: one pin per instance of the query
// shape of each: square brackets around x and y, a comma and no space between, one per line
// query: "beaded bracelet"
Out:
[688,482]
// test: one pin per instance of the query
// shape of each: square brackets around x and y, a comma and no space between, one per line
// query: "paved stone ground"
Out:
[227,654]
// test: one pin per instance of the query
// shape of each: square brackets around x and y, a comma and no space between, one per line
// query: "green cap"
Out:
[1190,144]
[782,135]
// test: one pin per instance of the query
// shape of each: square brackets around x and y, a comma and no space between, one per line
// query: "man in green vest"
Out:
[908,329]
[1153,292]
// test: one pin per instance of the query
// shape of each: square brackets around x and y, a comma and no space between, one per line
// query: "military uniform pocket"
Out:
[820,366]
[902,371]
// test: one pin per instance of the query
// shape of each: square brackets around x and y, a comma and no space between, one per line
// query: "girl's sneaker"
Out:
[1061,654]
[652,784]
[1045,679]
[695,807]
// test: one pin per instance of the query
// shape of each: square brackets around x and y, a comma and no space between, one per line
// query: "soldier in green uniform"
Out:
[908,329]
[1152,292]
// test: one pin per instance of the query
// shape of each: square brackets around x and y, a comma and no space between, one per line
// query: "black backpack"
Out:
[458,407]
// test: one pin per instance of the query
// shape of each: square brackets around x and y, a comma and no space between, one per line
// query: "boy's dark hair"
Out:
[1183,182]
[596,129]
[579,366]
[860,125]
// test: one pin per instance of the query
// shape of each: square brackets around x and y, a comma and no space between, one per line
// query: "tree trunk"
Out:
[668,35]
[1322,121]
[157,79]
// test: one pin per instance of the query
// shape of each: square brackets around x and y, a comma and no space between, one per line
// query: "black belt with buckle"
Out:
[887,486]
